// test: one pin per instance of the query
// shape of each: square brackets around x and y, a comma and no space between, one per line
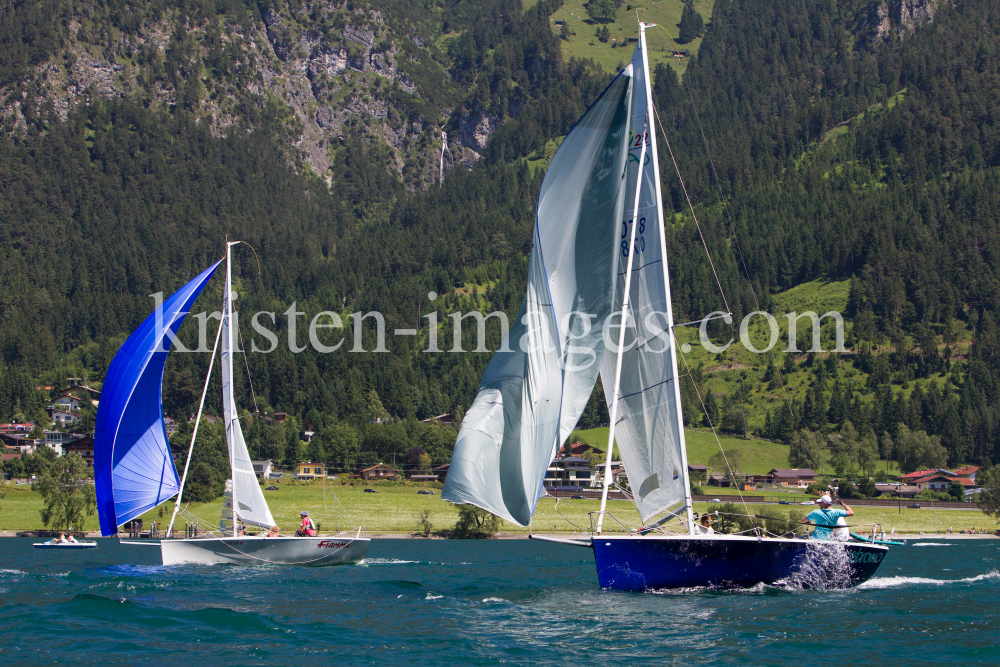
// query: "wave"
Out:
[433,597]
[494,600]
[895,582]
[386,561]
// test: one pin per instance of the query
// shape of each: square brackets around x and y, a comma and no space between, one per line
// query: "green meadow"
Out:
[617,51]
[396,509]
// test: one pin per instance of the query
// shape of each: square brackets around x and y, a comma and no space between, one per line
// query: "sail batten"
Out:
[133,468]
[531,398]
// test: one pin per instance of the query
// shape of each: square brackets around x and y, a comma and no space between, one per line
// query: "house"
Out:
[934,482]
[904,490]
[909,478]
[262,468]
[82,446]
[571,472]
[579,449]
[697,471]
[17,428]
[967,472]
[63,417]
[792,477]
[442,471]
[378,471]
[69,402]
[22,442]
[85,392]
[440,419]
[310,470]
[170,426]
[179,454]
[276,418]
[58,441]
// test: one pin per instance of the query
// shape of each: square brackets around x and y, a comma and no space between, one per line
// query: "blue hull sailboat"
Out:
[599,265]
[134,471]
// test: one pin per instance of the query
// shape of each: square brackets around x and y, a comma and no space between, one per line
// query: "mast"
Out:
[672,347]
[194,435]
[227,369]
[621,334]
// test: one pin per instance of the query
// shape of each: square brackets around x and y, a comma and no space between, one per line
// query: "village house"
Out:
[792,477]
[64,417]
[440,419]
[571,472]
[84,447]
[310,470]
[378,471]
[262,468]
[68,402]
[891,489]
[697,471]
[442,471]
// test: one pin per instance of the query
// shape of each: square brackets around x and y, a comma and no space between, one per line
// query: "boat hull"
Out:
[637,563]
[304,551]
[71,545]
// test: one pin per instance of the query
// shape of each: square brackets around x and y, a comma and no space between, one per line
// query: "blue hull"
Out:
[637,563]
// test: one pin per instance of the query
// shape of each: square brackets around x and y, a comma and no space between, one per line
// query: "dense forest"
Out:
[833,154]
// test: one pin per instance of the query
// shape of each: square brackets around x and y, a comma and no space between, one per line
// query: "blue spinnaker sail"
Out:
[133,469]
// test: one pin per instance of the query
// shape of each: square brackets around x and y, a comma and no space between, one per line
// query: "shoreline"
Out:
[34,534]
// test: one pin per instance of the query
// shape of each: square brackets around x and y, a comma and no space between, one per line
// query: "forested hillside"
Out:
[852,141]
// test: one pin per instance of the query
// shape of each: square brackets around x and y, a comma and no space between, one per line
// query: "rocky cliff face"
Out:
[888,20]
[336,68]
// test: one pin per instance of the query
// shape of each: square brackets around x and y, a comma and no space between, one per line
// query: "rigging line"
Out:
[249,379]
[732,226]
[694,215]
[712,427]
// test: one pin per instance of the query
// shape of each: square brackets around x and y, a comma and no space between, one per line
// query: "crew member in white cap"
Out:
[825,519]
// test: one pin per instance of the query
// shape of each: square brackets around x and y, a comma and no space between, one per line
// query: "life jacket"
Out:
[308,526]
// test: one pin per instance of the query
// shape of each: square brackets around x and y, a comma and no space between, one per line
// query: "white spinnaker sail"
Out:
[249,500]
[648,431]
[531,397]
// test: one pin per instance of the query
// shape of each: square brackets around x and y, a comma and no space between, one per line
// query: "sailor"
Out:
[308,528]
[705,527]
[272,532]
[825,519]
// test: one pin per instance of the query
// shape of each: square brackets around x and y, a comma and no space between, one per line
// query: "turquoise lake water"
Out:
[481,603]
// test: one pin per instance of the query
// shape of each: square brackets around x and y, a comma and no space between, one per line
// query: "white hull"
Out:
[307,551]
[70,545]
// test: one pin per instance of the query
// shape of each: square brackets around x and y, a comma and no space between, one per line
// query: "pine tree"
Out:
[692,25]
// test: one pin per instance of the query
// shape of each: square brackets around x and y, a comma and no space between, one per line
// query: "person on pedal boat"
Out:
[308,527]
[825,519]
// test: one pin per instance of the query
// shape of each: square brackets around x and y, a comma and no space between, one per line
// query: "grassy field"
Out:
[701,445]
[583,43]
[396,506]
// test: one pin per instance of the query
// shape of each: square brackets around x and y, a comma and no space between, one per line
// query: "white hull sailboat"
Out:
[599,264]
[134,470]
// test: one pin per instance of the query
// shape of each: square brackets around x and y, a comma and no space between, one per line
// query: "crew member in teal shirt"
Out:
[825,519]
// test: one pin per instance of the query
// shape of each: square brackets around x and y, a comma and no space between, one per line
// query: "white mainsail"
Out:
[248,499]
[648,428]
[531,397]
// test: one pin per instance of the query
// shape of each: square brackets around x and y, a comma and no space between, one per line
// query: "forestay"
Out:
[531,396]
[647,430]
[133,469]
[248,499]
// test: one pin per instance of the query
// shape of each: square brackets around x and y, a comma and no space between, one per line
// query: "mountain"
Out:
[854,143]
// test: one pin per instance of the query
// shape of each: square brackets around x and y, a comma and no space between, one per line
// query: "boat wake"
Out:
[895,582]
[932,544]
[385,561]
[826,566]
